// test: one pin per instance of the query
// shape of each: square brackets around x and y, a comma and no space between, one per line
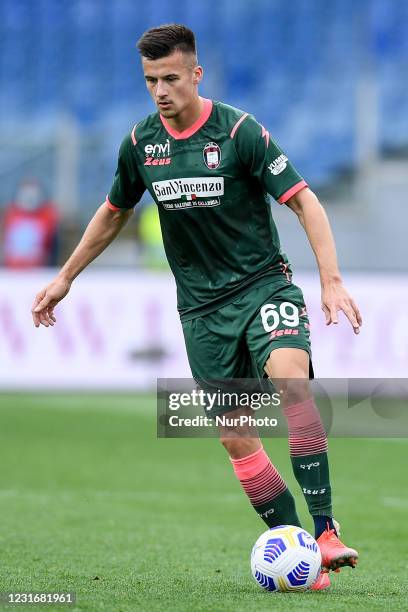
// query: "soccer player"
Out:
[209,168]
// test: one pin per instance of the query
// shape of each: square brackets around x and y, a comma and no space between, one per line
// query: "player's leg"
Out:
[216,351]
[278,339]
[288,367]
[259,478]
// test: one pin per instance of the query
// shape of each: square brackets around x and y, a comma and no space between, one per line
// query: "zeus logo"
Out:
[157,161]
[158,150]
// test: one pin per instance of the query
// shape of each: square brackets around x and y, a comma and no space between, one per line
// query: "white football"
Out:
[285,558]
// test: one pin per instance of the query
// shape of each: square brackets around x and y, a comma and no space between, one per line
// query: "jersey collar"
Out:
[197,125]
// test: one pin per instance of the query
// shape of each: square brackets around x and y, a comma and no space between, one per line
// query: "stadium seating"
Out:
[295,65]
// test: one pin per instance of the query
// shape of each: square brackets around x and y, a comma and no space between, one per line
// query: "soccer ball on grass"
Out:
[285,558]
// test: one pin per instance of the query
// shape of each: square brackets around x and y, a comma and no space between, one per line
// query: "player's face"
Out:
[172,82]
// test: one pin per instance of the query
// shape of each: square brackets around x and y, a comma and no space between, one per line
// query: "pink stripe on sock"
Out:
[300,450]
[250,466]
[268,485]
[259,478]
[307,435]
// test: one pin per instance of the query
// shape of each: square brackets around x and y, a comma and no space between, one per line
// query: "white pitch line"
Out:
[395,502]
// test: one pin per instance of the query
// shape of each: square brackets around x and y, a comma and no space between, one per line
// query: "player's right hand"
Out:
[46,300]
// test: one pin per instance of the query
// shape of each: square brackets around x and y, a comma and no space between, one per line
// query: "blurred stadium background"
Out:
[329,81]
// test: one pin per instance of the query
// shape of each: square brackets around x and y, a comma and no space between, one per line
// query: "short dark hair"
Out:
[162,41]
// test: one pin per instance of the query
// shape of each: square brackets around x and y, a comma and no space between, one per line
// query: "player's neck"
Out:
[188,116]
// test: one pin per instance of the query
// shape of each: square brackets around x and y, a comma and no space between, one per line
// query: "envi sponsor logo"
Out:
[157,154]
[188,188]
[158,150]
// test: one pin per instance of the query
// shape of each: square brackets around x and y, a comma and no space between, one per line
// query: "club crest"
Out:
[212,155]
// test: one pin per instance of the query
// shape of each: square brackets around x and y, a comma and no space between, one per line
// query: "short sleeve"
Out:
[127,187]
[265,160]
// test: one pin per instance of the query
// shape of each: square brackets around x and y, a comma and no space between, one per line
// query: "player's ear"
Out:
[197,74]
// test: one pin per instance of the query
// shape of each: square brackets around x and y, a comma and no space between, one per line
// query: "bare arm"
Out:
[101,231]
[313,217]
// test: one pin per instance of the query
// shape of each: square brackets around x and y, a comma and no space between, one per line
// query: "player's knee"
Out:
[239,447]
[293,391]
[231,445]
[288,368]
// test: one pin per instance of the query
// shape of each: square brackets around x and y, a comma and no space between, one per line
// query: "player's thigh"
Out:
[218,356]
[281,323]
[215,347]
[289,370]
[288,362]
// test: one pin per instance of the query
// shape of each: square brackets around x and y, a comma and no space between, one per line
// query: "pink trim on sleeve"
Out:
[292,191]
[110,205]
[197,125]
[133,136]
[238,123]
[265,134]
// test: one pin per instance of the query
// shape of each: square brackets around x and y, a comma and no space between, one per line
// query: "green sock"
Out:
[312,474]
[279,511]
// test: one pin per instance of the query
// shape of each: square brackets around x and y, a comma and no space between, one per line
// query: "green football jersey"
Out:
[211,184]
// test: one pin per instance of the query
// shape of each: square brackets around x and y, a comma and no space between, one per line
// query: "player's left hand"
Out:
[334,298]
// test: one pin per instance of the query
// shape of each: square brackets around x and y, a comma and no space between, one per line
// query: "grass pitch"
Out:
[92,502]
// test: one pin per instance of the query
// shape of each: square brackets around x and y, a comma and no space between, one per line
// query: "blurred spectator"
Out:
[29,228]
[153,255]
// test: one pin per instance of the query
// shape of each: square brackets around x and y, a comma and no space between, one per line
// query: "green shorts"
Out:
[236,340]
